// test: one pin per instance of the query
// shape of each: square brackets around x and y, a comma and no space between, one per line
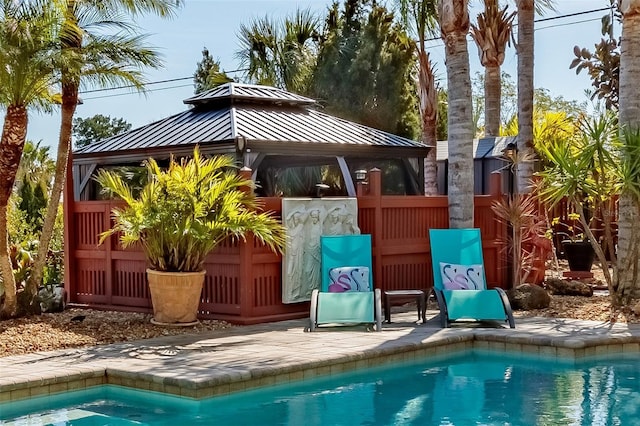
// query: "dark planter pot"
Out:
[579,254]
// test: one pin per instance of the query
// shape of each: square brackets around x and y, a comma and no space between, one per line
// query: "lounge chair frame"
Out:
[464,246]
[349,307]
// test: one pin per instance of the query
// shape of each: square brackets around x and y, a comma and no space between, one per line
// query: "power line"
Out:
[552,18]
[113,95]
[171,80]
[133,86]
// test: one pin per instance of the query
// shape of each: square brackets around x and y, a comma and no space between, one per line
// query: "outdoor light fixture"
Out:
[361,175]
[241,143]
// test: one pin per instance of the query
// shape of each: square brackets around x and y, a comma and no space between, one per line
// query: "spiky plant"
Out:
[185,211]
[578,171]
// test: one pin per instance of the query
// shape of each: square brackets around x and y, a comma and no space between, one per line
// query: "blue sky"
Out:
[215,23]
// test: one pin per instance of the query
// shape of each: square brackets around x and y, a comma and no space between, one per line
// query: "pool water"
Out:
[465,389]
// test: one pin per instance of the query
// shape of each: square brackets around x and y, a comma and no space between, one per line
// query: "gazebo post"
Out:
[375,190]
[245,271]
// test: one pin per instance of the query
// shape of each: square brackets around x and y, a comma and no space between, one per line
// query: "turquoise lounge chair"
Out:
[346,295]
[459,280]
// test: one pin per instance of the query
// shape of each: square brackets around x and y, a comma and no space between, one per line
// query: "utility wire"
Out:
[113,95]
[552,18]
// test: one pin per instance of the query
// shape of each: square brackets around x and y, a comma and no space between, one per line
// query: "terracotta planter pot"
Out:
[175,296]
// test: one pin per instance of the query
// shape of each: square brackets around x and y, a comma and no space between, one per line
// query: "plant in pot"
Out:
[179,217]
[576,247]
[581,170]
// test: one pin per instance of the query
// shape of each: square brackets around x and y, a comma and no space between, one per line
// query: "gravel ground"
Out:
[66,330]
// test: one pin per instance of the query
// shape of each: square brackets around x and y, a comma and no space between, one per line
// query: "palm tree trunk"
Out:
[526,16]
[428,113]
[454,24]
[14,133]
[69,103]
[628,285]
[10,306]
[492,95]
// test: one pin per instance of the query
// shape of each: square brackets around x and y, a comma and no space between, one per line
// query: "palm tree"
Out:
[421,15]
[525,46]
[27,31]
[453,16]
[628,287]
[491,35]
[280,54]
[36,165]
[89,51]
[33,180]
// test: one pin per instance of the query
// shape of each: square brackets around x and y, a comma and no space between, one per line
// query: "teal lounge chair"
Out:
[459,280]
[346,295]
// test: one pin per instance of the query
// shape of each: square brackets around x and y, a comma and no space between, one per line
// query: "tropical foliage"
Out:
[99,44]
[97,128]
[419,16]
[280,54]
[588,170]
[374,59]
[492,33]
[187,210]
[26,78]
[208,73]
[44,44]
[603,64]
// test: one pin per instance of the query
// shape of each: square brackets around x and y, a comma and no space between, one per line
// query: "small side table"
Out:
[419,296]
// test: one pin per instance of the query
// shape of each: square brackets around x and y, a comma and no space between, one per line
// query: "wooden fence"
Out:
[243,281]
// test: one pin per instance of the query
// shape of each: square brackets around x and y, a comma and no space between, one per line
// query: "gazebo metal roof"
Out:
[266,118]
[249,92]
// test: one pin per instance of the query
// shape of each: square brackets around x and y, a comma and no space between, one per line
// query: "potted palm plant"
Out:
[179,217]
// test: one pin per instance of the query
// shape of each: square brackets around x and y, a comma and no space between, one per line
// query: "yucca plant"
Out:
[583,170]
[185,211]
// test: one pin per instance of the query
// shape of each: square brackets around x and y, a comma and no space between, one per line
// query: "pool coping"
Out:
[237,359]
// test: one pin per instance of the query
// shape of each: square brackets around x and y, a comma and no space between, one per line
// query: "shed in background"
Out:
[487,158]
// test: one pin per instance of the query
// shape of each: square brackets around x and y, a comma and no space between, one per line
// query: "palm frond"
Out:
[188,209]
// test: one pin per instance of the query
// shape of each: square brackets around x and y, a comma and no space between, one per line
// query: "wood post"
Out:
[246,283]
[375,190]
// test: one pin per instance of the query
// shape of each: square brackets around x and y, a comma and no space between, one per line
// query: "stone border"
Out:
[204,386]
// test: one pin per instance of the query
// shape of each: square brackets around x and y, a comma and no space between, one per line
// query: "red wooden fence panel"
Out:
[243,281]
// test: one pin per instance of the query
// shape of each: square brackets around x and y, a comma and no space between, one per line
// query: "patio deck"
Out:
[240,358]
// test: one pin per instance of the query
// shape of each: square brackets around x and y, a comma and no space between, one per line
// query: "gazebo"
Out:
[269,130]
[272,133]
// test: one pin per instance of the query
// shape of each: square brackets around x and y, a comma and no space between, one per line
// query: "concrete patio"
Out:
[239,358]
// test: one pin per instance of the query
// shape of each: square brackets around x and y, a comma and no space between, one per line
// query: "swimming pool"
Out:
[467,388]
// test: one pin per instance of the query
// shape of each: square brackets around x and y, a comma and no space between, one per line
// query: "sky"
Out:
[215,24]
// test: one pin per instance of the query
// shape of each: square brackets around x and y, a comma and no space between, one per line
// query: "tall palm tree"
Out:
[453,16]
[491,34]
[525,48]
[280,54]
[628,285]
[421,15]
[36,165]
[33,180]
[91,52]
[27,32]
